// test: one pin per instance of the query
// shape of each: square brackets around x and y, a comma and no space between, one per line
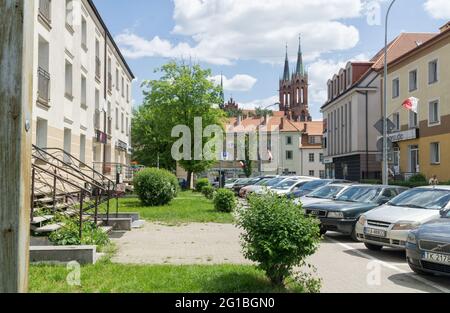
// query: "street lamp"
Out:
[385,137]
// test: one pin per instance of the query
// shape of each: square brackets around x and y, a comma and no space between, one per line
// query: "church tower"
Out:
[294,90]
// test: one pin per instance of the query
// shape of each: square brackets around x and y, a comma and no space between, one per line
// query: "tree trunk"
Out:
[189,180]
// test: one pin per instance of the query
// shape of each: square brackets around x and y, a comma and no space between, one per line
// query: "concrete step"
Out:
[138,224]
[48,199]
[106,229]
[41,219]
[48,228]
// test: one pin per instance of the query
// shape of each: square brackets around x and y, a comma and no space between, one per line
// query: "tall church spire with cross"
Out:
[294,89]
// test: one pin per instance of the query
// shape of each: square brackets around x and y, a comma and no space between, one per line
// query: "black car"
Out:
[428,247]
[342,214]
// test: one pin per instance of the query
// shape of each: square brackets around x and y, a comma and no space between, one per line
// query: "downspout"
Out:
[367,134]
[105,118]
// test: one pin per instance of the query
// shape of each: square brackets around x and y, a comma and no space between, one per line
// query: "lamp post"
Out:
[385,130]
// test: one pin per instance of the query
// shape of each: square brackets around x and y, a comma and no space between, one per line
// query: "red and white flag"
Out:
[411,104]
[242,164]
[270,155]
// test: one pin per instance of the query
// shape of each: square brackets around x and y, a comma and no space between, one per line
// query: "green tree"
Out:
[183,93]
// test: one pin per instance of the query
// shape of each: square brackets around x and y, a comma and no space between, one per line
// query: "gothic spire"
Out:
[300,68]
[222,94]
[287,72]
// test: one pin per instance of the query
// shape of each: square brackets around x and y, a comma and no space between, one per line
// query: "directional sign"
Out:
[379,126]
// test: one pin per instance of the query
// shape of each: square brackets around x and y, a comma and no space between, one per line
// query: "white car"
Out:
[390,224]
[290,185]
[323,195]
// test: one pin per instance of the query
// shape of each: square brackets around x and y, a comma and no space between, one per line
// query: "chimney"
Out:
[445,27]
[282,123]
[305,128]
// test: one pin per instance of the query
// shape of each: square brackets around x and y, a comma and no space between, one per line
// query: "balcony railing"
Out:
[45,8]
[43,86]
[98,68]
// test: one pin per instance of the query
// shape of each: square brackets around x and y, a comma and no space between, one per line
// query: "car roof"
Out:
[442,187]
[341,185]
[379,186]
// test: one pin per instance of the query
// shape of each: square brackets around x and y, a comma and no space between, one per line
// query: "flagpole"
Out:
[385,134]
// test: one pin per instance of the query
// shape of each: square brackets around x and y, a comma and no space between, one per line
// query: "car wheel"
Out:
[372,247]
[354,236]
[323,231]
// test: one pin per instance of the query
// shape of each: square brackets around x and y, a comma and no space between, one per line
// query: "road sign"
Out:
[380,145]
[379,126]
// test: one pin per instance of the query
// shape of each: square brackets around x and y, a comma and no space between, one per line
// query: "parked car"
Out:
[248,182]
[342,214]
[290,185]
[390,224]
[312,186]
[229,183]
[428,247]
[245,191]
[327,193]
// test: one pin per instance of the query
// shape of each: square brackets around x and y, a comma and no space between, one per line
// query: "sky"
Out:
[245,40]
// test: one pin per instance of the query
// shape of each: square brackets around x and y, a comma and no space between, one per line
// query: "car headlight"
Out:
[362,220]
[335,215]
[412,239]
[405,225]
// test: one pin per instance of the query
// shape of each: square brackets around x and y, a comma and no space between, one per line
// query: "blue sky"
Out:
[245,39]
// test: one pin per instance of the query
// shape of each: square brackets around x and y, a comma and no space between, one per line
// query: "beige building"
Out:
[82,94]
[421,142]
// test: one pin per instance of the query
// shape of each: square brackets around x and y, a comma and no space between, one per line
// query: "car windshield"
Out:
[286,184]
[263,182]
[253,181]
[432,199]
[313,185]
[231,180]
[275,181]
[327,192]
[360,194]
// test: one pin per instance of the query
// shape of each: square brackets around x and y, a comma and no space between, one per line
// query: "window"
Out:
[413,80]
[289,155]
[127,126]
[117,79]
[97,110]
[433,72]
[321,158]
[45,10]
[412,119]
[41,133]
[117,118]
[322,174]
[312,158]
[69,78]
[121,123]
[67,144]
[98,63]
[396,88]
[83,33]
[289,140]
[83,148]
[69,13]
[434,117]
[435,151]
[128,93]
[312,173]
[83,92]
[123,87]
[396,120]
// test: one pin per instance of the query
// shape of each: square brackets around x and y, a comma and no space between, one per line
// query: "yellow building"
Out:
[422,141]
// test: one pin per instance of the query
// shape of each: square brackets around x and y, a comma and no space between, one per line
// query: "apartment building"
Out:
[82,94]
[421,141]
[353,107]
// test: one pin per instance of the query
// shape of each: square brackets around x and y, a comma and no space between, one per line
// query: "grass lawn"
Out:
[188,207]
[105,277]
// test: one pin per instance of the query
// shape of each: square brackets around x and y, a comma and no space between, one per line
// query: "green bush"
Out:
[202,182]
[155,186]
[208,192]
[69,234]
[225,200]
[277,235]
[418,178]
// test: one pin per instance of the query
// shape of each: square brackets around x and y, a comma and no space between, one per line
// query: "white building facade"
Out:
[82,91]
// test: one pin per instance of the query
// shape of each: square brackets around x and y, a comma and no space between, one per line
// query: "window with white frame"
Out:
[396,88]
[117,118]
[413,80]
[83,92]
[83,33]
[433,72]
[412,119]
[435,151]
[396,120]
[312,173]
[312,140]
[312,158]
[289,155]
[69,79]
[69,13]
[289,140]
[434,117]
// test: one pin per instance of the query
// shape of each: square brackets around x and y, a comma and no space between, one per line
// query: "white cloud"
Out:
[240,82]
[439,9]
[261,103]
[223,31]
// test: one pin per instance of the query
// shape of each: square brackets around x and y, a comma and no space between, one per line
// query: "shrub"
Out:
[277,235]
[208,192]
[225,200]
[155,186]
[418,178]
[69,234]
[202,182]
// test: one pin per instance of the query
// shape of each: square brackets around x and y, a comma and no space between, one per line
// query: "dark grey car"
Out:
[428,247]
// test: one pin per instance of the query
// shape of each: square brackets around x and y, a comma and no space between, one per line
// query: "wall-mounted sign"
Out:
[327,160]
[121,145]
[404,135]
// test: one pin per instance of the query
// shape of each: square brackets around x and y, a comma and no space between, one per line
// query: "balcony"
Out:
[98,68]
[43,86]
[45,8]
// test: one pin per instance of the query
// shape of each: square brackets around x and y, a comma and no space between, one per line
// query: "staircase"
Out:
[64,185]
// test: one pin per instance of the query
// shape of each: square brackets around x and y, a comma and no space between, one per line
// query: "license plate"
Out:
[375,232]
[436,258]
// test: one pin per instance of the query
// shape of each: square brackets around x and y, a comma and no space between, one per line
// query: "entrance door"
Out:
[414,159]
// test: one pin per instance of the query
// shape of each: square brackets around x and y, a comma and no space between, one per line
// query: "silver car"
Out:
[390,224]
[325,194]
